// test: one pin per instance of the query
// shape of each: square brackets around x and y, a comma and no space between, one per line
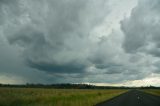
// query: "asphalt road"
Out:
[133,98]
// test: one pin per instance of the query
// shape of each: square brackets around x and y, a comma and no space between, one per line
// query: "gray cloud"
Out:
[48,34]
[141,29]
[141,32]
[57,41]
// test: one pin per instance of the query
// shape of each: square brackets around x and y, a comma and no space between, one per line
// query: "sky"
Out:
[101,42]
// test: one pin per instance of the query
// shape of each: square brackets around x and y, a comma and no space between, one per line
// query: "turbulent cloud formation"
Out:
[142,28]
[48,34]
[55,41]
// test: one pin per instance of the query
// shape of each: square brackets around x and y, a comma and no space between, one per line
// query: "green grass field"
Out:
[153,91]
[54,97]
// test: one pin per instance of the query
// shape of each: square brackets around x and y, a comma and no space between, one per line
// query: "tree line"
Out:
[73,86]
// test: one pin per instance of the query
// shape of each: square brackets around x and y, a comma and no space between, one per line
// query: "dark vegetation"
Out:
[73,86]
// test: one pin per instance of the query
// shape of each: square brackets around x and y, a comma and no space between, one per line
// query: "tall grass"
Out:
[153,91]
[54,97]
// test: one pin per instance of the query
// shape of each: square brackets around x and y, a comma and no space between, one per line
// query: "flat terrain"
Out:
[54,97]
[134,98]
[153,91]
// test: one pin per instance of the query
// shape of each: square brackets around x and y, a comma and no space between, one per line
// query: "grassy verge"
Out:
[153,91]
[54,97]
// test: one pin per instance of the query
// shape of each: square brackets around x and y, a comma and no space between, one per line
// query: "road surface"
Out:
[133,98]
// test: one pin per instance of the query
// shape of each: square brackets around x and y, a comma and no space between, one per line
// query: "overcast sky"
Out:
[103,42]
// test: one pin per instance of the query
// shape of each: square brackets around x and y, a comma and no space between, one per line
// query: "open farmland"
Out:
[54,97]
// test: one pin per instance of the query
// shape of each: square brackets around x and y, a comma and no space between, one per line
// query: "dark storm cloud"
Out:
[53,34]
[57,68]
[60,41]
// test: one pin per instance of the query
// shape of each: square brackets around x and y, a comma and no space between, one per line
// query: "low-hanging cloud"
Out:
[53,34]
